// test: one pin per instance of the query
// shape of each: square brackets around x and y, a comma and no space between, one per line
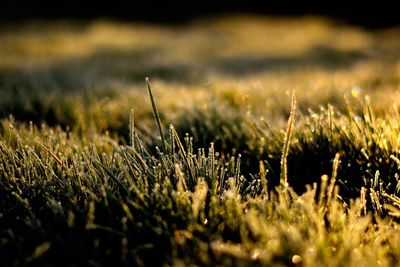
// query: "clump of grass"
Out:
[126,205]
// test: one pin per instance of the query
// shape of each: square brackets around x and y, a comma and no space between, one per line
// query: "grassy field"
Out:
[256,142]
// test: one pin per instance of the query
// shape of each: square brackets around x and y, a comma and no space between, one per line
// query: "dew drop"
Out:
[296,259]
[356,91]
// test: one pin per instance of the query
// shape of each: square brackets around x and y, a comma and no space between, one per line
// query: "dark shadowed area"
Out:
[366,13]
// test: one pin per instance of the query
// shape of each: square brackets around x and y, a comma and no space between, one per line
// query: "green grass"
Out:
[213,167]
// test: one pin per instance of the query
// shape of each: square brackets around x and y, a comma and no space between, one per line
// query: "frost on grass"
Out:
[83,181]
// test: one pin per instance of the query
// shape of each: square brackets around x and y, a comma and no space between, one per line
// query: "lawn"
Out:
[255,142]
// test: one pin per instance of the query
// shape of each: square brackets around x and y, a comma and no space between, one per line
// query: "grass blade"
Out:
[156,114]
[132,128]
[286,144]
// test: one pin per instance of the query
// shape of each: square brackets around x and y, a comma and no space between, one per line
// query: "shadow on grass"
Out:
[321,57]
[101,68]
[36,93]
[131,66]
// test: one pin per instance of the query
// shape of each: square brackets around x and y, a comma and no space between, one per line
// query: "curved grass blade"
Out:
[286,144]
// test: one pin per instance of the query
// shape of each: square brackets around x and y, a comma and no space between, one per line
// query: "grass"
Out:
[238,178]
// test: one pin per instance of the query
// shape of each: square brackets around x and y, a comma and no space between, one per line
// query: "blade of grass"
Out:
[132,128]
[156,114]
[286,144]
[59,162]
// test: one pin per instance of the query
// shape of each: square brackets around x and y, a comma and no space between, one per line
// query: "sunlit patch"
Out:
[255,254]
[356,91]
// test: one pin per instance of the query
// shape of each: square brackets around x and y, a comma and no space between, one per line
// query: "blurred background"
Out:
[366,13]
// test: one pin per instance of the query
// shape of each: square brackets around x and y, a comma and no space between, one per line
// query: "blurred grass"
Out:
[249,61]
[68,176]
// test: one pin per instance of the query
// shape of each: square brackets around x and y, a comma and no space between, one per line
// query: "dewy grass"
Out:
[84,184]
[115,204]
[103,209]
